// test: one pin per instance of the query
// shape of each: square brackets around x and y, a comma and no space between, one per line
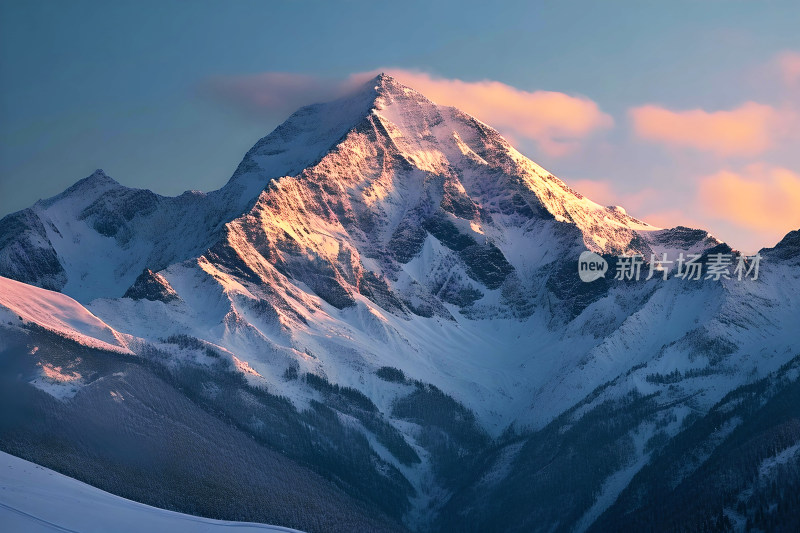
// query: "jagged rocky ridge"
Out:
[383,236]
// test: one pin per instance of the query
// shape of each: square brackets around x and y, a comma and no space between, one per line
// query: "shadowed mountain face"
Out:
[387,293]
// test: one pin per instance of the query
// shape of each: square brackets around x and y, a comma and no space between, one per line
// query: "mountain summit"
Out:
[391,161]
[384,302]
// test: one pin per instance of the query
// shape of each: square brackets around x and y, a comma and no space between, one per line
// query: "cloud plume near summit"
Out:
[687,155]
[555,121]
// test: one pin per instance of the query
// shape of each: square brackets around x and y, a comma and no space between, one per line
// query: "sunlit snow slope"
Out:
[58,313]
[392,274]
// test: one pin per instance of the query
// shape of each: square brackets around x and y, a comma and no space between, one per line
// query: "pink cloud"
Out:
[762,198]
[789,66]
[557,122]
[749,209]
[671,217]
[748,130]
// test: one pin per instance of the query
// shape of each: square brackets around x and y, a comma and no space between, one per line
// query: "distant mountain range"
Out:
[378,325]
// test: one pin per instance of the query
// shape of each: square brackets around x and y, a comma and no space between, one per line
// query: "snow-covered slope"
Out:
[380,255]
[420,240]
[35,499]
[386,149]
[58,313]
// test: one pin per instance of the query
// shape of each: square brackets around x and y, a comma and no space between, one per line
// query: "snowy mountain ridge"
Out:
[116,222]
[374,256]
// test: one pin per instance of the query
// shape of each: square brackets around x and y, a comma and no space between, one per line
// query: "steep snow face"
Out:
[151,286]
[385,154]
[382,230]
[34,499]
[26,253]
[57,313]
[94,238]
[425,242]
[411,176]
[300,142]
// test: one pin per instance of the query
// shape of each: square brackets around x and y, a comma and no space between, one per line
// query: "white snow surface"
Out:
[323,197]
[58,313]
[384,152]
[35,499]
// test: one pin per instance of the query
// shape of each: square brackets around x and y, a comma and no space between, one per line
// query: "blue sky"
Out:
[124,86]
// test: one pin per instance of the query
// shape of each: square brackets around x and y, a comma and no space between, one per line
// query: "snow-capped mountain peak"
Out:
[385,151]
[386,276]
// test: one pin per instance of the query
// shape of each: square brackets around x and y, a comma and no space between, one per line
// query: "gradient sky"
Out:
[682,112]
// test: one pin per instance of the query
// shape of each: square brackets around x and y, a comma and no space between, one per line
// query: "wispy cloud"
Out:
[274,95]
[726,170]
[557,122]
